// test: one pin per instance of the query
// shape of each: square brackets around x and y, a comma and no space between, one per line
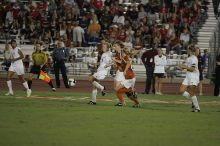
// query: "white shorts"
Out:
[119,76]
[18,69]
[190,81]
[100,75]
[129,83]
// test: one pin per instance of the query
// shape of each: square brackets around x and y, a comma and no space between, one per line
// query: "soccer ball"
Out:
[72,82]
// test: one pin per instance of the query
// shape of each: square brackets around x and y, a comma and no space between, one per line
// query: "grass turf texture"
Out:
[161,121]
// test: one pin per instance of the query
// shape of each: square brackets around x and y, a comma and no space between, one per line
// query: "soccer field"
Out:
[63,119]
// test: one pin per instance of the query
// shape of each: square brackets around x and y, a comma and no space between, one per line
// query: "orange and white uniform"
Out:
[127,80]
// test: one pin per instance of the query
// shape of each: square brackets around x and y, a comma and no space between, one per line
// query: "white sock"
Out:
[195,102]
[97,85]
[186,94]
[94,93]
[10,86]
[25,85]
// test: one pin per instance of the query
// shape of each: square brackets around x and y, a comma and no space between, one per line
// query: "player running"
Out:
[125,77]
[16,67]
[101,73]
[188,87]
[39,59]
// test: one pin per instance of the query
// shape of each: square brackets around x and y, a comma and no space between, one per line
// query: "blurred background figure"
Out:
[7,56]
[148,61]
[160,62]
[217,76]
[26,62]
[201,65]
[60,55]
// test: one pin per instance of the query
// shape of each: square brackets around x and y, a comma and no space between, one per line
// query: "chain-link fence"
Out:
[214,45]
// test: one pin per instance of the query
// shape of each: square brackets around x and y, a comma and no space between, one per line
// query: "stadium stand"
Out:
[155,23]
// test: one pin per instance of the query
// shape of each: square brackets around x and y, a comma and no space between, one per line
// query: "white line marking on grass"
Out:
[84,98]
[72,98]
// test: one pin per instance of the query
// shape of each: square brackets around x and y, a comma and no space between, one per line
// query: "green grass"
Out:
[161,121]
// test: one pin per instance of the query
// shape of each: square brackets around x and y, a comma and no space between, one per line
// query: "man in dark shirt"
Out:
[60,53]
[217,76]
[148,61]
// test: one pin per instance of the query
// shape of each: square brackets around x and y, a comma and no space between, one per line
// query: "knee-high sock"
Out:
[25,85]
[51,84]
[97,85]
[29,83]
[195,102]
[186,94]
[120,96]
[9,86]
[94,94]
[130,95]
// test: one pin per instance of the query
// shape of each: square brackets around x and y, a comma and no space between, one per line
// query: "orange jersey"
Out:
[121,66]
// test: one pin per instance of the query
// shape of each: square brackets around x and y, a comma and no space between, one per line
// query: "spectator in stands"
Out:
[163,33]
[159,70]
[78,35]
[9,17]
[7,56]
[201,65]
[157,38]
[148,61]
[185,38]
[60,54]
[217,76]
[119,19]
[173,45]
[215,6]
[141,14]
[94,30]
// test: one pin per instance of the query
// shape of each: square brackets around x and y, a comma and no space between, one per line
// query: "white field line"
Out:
[72,98]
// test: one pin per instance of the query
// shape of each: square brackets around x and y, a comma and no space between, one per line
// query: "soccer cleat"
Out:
[136,106]
[104,91]
[29,92]
[54,89]
[158,93]
[92,103]
[9,93]
[134,94]
[119,104]
[196,110]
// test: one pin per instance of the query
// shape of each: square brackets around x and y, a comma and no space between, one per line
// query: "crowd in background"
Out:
[152,23]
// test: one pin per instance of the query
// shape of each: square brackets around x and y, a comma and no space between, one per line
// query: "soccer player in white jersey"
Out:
[16,67]
[160,62]
[189,84]
[101,73]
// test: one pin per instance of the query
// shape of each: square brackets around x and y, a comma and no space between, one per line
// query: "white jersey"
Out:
[105,60]
[16,66]
[192,61]
[15,54]
[160,63]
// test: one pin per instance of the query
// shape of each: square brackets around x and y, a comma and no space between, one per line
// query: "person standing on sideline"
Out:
[17,67]
[39,59]
[189,84]
[201,65]
[148,61]
[7,55]
[217,76]
[59,55]
[160,62]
